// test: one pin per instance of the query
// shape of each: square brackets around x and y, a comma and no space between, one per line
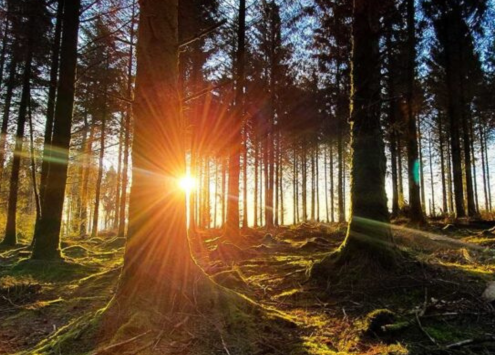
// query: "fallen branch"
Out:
[113,346]
[459,344]
[424,331]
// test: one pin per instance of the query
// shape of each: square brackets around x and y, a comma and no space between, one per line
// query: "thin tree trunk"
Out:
[119,177]
[86,166]
[488,173]
[483,164]
[232,223]
[99,179]
[442,165]
[6,114]
[11,228]
[332,187]
[127,136]
[413,154]
[430,154]
[244,179]
[327,211]
[33,162]
[256,163]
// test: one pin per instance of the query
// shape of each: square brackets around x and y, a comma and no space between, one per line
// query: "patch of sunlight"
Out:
[310,319]
[292,260]
[484,271]
[287,293]
[43,304]
[316,346]
[382,349]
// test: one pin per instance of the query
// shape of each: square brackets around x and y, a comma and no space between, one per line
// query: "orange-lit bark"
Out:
[157,260]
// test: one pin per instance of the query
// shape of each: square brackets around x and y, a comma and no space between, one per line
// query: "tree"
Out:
[413,162]
[232,222]
[455,37]
[47,229]
[368,233]
[34,12]
[157,236]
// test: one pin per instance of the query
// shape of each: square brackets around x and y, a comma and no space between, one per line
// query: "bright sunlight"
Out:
[188,183]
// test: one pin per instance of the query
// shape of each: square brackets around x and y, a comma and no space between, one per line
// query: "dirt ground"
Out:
[432,306]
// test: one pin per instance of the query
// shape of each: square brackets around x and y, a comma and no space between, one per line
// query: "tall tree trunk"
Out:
[483,165]
[488,173]
[327,210]
[3,52]
[99,179]
[313,184]
[450,37]
[256,164]
[127,136]
[399,173]
[304,186]
[473,161]
[6,113]
[421,169]
[449,179]
[442,164]
[115,225]
[232,223]
[11,228]
[466,123]
[244,178]
[157,238]
[332,187]
[430,155]
[32,157]
[295,182]
[87,154]
[413,162]
[392,119]
[369,236]
[52,92]
[47,230]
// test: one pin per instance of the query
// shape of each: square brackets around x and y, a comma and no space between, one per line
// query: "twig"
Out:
[113,346]
[424,331]
[224,345]
[203,33]
[489,337]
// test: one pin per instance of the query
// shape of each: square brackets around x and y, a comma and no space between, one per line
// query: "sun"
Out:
[187,183]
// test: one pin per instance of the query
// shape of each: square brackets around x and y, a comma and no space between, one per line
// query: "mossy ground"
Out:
[61,307]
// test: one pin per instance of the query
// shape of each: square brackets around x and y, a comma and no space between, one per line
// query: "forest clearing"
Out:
[247,177]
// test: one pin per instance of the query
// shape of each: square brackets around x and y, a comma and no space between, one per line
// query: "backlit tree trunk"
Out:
[413,162]
[157,258]
[47,230]
[368,230]
[232,222]
[11,228]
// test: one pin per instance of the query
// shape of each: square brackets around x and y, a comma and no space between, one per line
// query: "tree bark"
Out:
[127,137]
[52,92]
[11,228]
[368,234]
[232,222]
[157,243]
[413,163]
[6,113]
[47,229]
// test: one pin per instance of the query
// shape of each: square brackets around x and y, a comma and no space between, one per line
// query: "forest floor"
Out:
[436,310]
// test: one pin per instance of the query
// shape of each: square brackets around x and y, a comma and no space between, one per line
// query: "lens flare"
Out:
[188,184]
